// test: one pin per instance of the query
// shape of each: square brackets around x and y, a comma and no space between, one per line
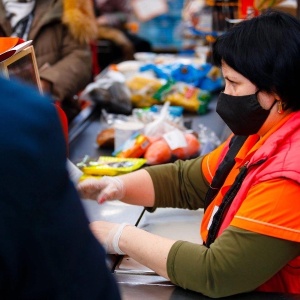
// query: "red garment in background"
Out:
[245,4]
[64,122]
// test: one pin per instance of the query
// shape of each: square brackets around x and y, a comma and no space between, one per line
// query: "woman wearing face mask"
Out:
[249,186]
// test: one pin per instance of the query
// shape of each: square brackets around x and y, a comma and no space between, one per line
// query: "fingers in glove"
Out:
[88,189]
[114,189]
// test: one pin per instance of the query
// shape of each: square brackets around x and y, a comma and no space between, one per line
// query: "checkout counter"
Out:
[137,281]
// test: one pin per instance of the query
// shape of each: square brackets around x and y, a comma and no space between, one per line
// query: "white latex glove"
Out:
[109,235]
[104,189]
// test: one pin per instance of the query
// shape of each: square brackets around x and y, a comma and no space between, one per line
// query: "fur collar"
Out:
[79,16]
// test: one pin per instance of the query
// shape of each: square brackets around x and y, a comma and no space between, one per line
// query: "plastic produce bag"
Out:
[208,138]
[163,151]
[109,92]
[159,126]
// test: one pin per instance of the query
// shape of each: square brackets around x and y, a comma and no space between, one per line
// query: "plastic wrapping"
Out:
[109,92]
[110,166]
[208,139]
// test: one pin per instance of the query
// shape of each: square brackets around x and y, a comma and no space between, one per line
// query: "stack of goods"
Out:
[187,85]
[162,137]
[140,84]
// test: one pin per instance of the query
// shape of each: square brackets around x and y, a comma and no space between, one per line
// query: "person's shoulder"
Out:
[22,97]
[17,87]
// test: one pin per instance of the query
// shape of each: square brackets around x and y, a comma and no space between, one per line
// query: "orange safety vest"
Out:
[260,193]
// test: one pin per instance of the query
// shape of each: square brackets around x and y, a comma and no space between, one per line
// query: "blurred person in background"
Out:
[113,17]
[47,250]
[61,31]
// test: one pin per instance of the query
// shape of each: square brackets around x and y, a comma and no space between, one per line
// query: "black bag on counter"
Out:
[113,96]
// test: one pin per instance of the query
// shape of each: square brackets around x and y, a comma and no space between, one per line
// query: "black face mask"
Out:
[242,114]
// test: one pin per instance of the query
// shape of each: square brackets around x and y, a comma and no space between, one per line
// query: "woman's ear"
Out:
[266,100]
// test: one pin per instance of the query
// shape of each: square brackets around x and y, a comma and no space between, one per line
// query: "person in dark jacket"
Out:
[47,250]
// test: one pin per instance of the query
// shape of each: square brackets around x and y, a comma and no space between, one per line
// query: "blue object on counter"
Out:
[162,71]
[175,111]
[190,74]
[212,85]
[194,75]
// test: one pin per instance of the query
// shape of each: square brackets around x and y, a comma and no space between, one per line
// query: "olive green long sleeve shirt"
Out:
[238,261]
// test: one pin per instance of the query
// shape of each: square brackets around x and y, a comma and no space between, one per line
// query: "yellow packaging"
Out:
[112,166]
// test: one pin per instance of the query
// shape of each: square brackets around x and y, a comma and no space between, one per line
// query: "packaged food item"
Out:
[134,147]
[106,138]
[86,176]
[142,89]
[189,97]
[185,96]
[110,166]
[125,130]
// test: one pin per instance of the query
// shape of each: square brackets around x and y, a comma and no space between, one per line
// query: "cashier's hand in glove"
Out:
[146,248]
[133,188]
[104,189]
[109,235]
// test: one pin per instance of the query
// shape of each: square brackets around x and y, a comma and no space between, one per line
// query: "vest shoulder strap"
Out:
[224,168]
